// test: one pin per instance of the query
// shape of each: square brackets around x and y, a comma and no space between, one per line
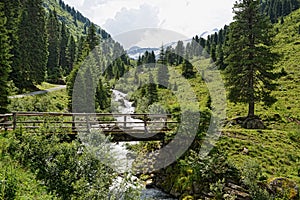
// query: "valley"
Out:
[224,105]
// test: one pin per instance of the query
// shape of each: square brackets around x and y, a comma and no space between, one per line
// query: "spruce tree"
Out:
[102,96]
[4,61]
[151,91]
[179,51]
[187,68]
[53,69]
[249,74]
[170,55]
[220,57]
[12,13]
[33,43]
[162,71]
[64,37]
[81,50]
[71,54]
[92,38]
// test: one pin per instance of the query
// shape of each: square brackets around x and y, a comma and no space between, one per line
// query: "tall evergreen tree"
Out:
[92,38]
[151,91]
[64,37]
[102,96]
[170,55]
[71,54]
[4,61]
[53,69]
[82,46]
[187,67]
[33,46]
[250,60]
[162,56]
[179,50]
[162,71]
[12,13]
[220,57]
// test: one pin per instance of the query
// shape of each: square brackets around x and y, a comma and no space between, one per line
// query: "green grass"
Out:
[277,147]
[274,150]
[45,86]
[50,102]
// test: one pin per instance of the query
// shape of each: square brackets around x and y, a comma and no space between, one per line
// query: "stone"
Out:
[284,187]
[245,151]
[253,123]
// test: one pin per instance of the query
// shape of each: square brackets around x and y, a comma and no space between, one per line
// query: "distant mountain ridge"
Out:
[135,51]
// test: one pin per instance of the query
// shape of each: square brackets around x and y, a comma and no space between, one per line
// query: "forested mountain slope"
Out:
[74,20]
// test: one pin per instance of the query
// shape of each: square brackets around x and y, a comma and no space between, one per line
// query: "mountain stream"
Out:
[123,154]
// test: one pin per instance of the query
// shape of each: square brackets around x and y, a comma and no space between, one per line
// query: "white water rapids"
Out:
[124,156]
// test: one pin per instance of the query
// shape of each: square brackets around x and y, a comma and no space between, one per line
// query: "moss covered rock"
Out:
[284,187]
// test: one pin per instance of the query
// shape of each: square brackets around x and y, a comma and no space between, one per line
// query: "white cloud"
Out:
[148,37]
[145,16]
[189,17]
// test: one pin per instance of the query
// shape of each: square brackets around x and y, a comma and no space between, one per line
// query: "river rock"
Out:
[238,191]
[284,187]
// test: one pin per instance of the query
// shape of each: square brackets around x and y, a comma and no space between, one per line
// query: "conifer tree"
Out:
[4,61]
[102,96]
[187,68]
[33,43]
[64,36]
[179,51]
[71,54]
[250,61]
[12,13]
[82,47]
[162,71]
[53,68]
[92,38]
[170,55]
[220,57]
[151,91]
[152,57]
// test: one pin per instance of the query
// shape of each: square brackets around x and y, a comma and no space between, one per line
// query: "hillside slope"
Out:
[74,20]
[277,147]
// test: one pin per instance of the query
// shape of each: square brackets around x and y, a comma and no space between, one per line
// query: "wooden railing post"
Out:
[88,126]
[165,123]
[73,123]
[14,114]
[5,120]
[145,122]
[124,121]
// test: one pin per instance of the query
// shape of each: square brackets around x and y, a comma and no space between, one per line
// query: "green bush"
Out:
[68,169]
[8,182]
[251,174]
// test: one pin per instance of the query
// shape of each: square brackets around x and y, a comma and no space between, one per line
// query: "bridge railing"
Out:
[74,122]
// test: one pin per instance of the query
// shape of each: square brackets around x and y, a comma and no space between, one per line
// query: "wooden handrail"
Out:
[75,120]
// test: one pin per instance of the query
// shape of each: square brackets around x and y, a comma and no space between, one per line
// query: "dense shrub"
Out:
[68,169]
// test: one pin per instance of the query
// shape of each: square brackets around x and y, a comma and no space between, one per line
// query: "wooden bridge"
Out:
[121,127]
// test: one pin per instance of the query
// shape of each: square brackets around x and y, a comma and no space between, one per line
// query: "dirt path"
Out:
[59,87]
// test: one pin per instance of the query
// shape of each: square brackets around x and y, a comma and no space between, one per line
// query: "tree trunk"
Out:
[251,109]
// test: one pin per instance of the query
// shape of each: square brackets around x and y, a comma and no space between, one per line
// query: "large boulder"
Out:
[253,123]
[284,187]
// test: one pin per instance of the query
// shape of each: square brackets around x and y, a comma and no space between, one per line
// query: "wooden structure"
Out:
[121,127]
